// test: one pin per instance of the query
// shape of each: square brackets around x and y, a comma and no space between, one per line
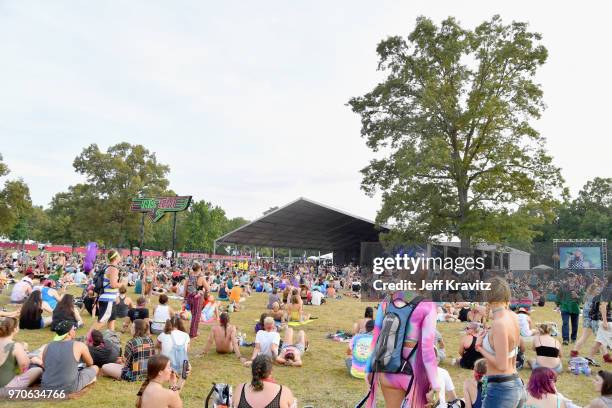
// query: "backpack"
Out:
[98,280]
[178,354]
[112,339]
[220,395]
[387,355]
[579,365]
[594,313]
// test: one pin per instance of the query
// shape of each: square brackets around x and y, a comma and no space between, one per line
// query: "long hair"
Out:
[155,364]
[174,322]
[223,321]
[66,305]
[260,369]
[542,382]
[606,386]
[140,328]
[8,325]
[32,308]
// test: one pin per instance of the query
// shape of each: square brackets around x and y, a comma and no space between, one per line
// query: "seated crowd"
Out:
[158,351]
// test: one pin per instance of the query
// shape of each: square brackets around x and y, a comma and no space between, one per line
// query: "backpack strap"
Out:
[209,395]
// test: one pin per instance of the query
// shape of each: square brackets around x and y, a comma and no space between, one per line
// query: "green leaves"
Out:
[15,204]
[457,154]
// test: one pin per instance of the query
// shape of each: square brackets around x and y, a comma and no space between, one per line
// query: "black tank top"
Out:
[470,356]
[547,351]
[275,403]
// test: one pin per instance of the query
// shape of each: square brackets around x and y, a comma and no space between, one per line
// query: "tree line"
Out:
[99,209]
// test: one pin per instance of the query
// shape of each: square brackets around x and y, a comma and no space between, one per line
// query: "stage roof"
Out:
[305,224]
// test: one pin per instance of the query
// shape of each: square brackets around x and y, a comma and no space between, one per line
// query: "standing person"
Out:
[263,390]
[603,384]
[148,277]
[568,300]
[61,358]
[195,285]
[499,347]
[589,326]
[409,388]
[152,393]
[105,308]
[604,332]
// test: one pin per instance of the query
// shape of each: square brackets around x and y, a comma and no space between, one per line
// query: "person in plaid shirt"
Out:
[135,356]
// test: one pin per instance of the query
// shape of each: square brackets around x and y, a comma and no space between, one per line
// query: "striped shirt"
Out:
[109,294]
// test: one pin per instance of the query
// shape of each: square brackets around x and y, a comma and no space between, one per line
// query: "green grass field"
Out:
[322,382]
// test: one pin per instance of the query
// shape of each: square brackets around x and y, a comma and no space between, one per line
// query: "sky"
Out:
[246,101]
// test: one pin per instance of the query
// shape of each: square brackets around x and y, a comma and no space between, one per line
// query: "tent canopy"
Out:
[305,224]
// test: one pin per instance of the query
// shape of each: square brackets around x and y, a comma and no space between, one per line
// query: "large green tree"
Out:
[100,209]
[455,151]
[15,205]
[588,216]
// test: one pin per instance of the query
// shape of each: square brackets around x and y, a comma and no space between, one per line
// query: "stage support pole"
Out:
[174,236]
[141,237]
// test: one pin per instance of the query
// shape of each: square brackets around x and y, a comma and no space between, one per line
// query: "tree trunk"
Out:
[464,249]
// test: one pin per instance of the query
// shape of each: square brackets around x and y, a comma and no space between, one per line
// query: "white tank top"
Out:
[162,313]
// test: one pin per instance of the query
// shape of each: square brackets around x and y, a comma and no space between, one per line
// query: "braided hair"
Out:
[261,369]
[223,321]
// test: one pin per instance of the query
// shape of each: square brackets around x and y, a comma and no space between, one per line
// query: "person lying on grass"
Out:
[224,337]
[291,353]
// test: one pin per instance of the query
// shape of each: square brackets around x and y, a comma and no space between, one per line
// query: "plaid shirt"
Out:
[136,356]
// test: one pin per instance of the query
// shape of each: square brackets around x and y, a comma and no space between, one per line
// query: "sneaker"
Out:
[565,342]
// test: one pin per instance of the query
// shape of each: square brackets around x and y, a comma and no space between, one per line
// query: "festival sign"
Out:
[157,207]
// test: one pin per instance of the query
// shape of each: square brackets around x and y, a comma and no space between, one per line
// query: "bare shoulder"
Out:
[287,395]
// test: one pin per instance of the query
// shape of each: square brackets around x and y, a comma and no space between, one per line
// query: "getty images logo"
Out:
[412,264]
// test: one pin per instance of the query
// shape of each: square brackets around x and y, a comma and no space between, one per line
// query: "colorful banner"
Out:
[157,207]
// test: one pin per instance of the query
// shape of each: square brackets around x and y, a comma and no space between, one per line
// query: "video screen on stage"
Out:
[579,257]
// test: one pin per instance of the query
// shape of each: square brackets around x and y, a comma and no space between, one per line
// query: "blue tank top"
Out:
[46,297]
[478,402]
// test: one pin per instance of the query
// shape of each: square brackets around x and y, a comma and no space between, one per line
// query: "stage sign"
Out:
[157,207]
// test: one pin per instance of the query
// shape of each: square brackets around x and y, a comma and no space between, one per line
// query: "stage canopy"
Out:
[305,224]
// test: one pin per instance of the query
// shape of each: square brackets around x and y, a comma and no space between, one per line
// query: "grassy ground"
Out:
[322,382]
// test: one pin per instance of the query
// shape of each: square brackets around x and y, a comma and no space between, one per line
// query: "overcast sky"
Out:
[246,100]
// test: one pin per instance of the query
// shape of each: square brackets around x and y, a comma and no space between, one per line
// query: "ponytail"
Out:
[261,369]
[223,320]
[140,391]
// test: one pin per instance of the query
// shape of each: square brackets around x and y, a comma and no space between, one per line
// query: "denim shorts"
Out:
[507,394]
[590,324]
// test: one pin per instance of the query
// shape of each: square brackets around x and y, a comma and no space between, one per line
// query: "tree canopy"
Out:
[456,153]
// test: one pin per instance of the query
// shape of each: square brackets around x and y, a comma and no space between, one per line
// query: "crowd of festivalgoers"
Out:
[493,343]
